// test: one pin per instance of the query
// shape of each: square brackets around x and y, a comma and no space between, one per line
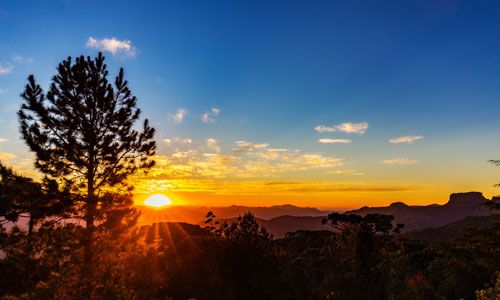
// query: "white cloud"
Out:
[356,128]
[246,147]
[187,141]
[406,139]
[277,150]
[260,162]
[334,141]
[213,144]
[210,116]
[2,140]
[167,142]
[178,117]
[21,59]
[399,162]
[113,45]
[6,69]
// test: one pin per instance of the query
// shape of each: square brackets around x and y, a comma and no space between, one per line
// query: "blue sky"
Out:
[274,70]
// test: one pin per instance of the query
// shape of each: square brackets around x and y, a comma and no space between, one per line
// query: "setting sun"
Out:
[158,200]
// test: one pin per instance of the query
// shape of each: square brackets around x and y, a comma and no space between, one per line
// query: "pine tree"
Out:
[82,133]
[23,197]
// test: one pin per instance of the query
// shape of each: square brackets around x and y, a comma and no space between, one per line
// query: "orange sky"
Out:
[190,178]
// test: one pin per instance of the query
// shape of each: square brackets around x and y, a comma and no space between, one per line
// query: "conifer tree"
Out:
[83,136]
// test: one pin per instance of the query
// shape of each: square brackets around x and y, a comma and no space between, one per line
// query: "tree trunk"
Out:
[89,235]
[88,248]
[31,226]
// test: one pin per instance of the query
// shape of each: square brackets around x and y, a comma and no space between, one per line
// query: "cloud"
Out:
[187,141]
[406,139]
[277,150]
[113,45]
[356,128]
[213,144]
[209,117]
[220,186]
[256,161]
[246,147]
[346,172]
[7,156]
[399,162]
[6,69]
[179,116]
[334,141]
[167,142]
[21,59]
[262,170]
[2,140]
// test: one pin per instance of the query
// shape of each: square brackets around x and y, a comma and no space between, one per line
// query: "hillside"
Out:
[288,218]
[458,207]
[196,214]
[457,229]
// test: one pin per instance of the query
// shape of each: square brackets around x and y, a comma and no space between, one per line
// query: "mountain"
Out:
[459,206]
[171,232]
[269,212]
[196,214]
[279,226]
[288,218]
[457,229]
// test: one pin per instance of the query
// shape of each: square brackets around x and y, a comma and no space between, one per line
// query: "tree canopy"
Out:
[82,132]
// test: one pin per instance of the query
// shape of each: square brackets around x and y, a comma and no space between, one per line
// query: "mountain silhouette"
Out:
[459,206]
[281,219]
[197,214]
[458,229]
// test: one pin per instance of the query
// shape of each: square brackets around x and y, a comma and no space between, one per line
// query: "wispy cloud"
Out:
[406,139]
[253,169]
[21,59]
[213,144]
[399,162]
[113,46]
[186,141]
[7,156]
[356,128]
[179,116]
[246,147]
[334,141]
[210,116]
[2,140]
[6,68]
[199,164]
[346,172]
[167,142]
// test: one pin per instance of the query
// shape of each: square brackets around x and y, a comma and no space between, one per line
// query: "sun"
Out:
[158,200]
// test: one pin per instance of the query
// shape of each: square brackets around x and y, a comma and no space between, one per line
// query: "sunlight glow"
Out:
[158,200]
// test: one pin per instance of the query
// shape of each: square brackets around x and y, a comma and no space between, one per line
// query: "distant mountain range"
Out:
[459,206]
[288,218]
[197,214]
[458,229]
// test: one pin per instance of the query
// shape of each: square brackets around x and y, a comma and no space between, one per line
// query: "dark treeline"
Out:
[79,239]
[365,259]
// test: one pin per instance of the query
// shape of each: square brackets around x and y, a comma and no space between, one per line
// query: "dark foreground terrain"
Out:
[366,255]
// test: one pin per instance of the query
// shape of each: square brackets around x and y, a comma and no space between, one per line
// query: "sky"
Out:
[332,104]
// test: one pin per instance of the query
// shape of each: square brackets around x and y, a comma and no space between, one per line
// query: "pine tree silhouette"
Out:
[82,133]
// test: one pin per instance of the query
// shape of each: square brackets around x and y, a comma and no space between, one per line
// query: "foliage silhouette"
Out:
[82,134]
